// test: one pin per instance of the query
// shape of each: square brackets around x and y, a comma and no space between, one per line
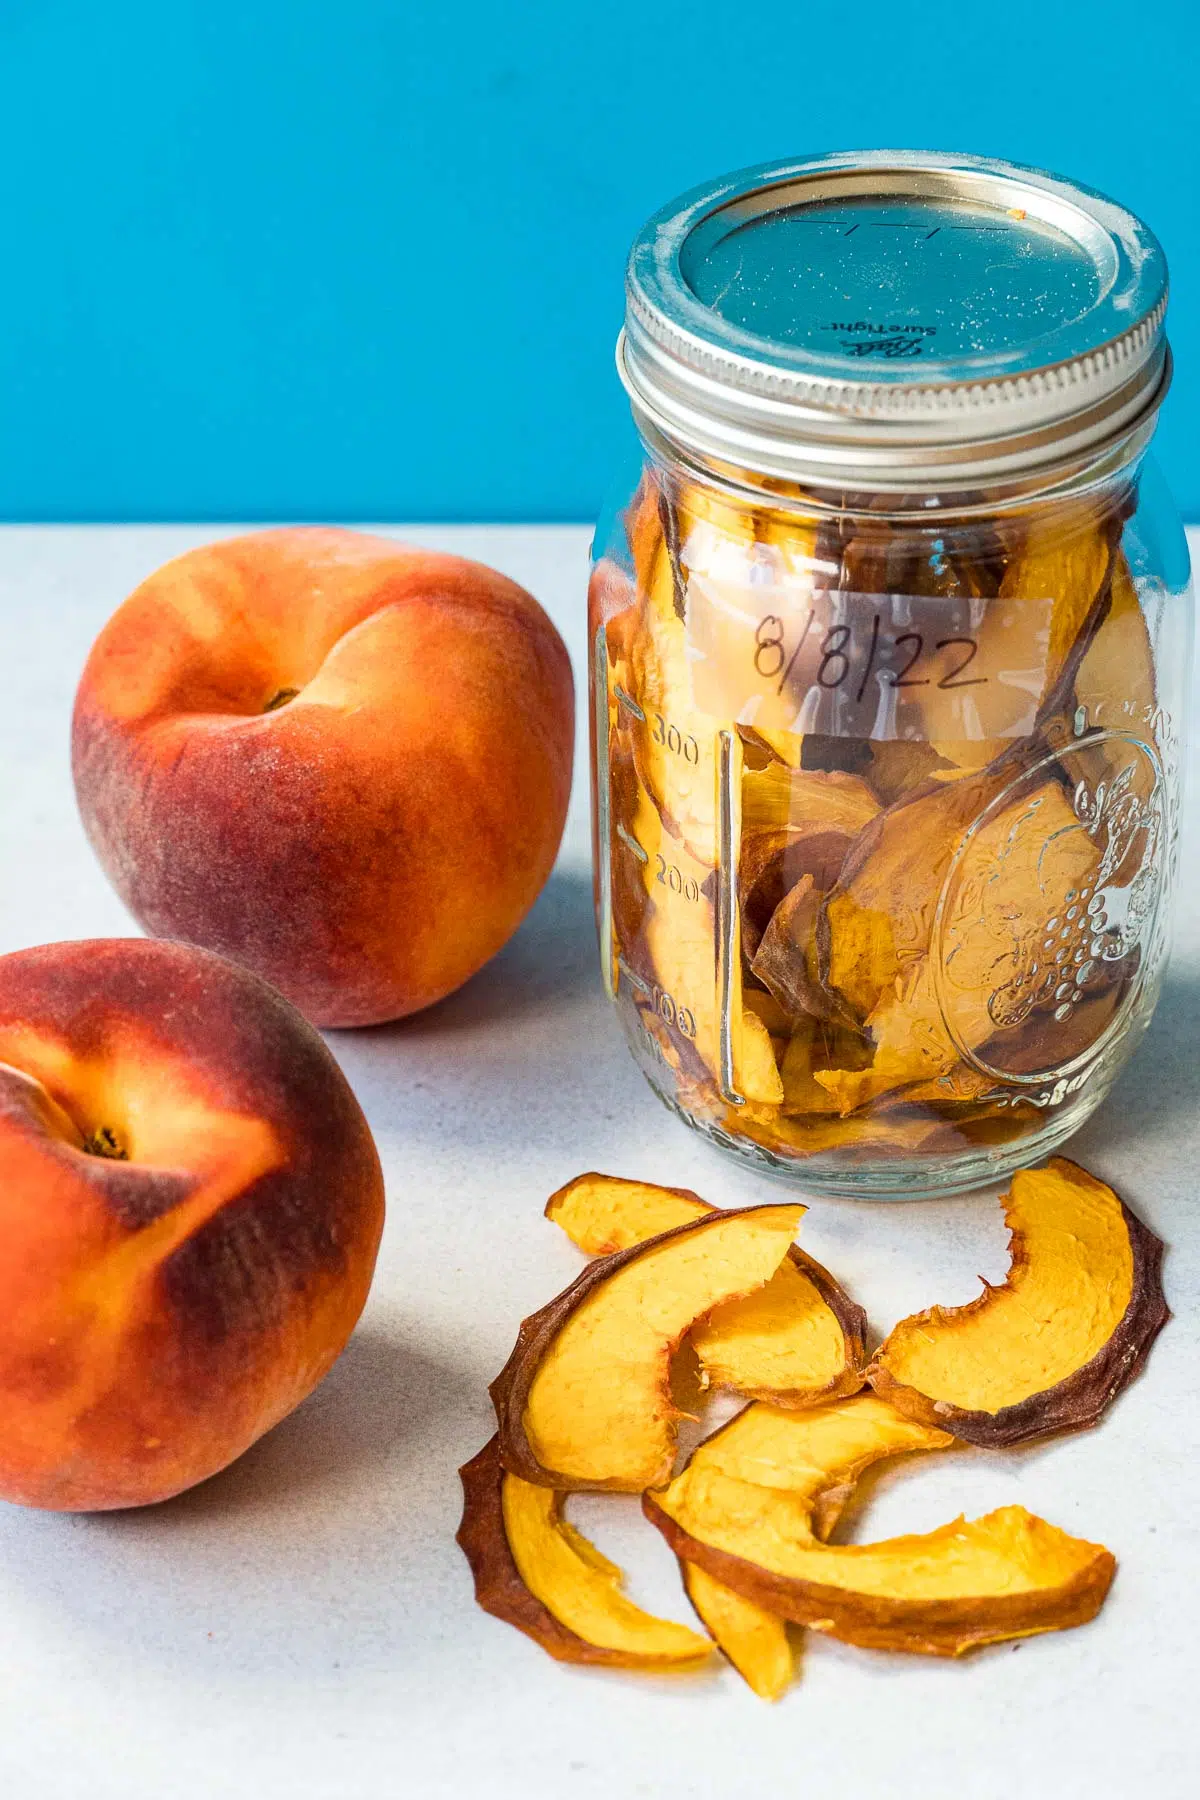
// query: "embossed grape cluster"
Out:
[1063,962]
[1074,944]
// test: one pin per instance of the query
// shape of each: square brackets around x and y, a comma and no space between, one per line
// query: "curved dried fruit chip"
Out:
[880,916]
[773,1016]
[899,1131]
[1028,860]
[535,1571]
[900,769]
[1117,666]
[743,1509]
[817,1046]
[754,1067]
[1054,1346]
[806,800]
[797,1341]
[773,861]
[755,1641]
[1066,557]
[815,1457]
[584,1399]
[603,1213]
[785,958]
[683,790]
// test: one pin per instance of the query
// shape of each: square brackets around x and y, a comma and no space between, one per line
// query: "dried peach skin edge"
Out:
[875,1623]
[851,1318]
[510,1390]
[948,1618]
[499,1587]
[1070,1405]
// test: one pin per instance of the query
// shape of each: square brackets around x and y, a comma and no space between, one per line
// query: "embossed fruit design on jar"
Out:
[890,638]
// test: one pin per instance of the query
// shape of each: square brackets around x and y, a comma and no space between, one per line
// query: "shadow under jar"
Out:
[890,636]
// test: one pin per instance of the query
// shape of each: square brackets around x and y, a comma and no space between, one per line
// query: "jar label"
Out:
[770,647]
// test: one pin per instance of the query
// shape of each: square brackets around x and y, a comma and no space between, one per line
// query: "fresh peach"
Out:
[339,761]
[190,1208]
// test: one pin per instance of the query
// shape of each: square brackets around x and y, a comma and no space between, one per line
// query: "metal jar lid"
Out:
[894,319]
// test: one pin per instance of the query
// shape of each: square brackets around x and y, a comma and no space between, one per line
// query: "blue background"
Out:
[336,258]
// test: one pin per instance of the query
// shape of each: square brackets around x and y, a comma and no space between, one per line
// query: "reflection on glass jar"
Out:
[886,778]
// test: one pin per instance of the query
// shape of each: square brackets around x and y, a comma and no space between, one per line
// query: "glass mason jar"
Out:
[890,638]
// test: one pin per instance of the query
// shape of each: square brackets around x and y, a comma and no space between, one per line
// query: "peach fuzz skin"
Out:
[190,1207]
[341,762]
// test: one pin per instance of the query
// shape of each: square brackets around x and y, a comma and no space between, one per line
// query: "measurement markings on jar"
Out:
[628,702]
[670,875]
[665,1005]
[670,1009]
[631,843]
[633,978]
[681,743]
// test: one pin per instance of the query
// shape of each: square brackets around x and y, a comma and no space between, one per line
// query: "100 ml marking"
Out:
[668,1008]
[664,1004]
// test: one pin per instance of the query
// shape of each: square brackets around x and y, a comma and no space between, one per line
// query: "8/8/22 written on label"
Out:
[839,653]
[867,665]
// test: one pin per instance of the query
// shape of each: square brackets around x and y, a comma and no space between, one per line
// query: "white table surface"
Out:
[302,1627]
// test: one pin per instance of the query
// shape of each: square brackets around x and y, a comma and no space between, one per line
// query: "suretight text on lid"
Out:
[894,317]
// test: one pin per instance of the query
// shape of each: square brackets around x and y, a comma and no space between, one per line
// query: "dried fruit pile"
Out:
[936,903]
[585,1402]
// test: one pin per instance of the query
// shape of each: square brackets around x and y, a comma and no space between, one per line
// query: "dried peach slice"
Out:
[755,1641]
[813,801]
[786,747]
[743,1509]
[604,1213]
[880,916]
[797,1341]
[683,790]
[1114,684]
[777,1021]
[754,1066]
[584,1399]
[535,1571]
[785,959]
[643,527]
[898,1131]
[816,1046]
[1054,1346]
[901,769]
[772,862]
[794,823]
[707,518]
[1118,665]
[1065,557]
[1027,861]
